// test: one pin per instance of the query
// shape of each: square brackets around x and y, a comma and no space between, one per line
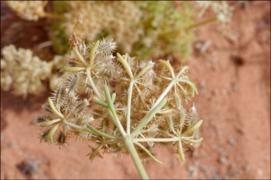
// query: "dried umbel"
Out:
[29,10]
[165,29]
[130,106]
[23,72]
[221,8]
[117,18]
[140,28]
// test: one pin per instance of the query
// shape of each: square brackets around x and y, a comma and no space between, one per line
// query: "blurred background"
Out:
[226,46]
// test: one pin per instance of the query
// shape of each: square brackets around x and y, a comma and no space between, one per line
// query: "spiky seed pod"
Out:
[42,119]
[61,138]
[192,117]
[72,83]
[106,47]
[81,107]
[83,134]
[60,94]
[47,108]
[44,134]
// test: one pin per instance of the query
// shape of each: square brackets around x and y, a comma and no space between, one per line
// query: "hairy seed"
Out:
[59,95]
[81,107]
[72,83]
[62,138]
[42,119]
[44,134]
[47,107]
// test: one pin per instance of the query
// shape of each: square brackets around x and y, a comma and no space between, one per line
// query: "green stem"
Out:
[130,92]
[202,23]
[164,93]
[91,129]
[157,139]
[93,85]
[64,69]
[101,133]
[148,152]
[92,53]
[131,148]
[51,104]
[77,53]
[148,117]
[111,109]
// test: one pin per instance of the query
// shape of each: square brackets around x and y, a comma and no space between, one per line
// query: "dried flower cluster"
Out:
[221,8]
[165,29]
[133,104]
[22,71]
[117,18]
[29,10]
[140,28]
[59,61]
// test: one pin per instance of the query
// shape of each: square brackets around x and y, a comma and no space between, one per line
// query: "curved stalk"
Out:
[130,92]
[91,129]
[77,53]
[93,85]
[148,152]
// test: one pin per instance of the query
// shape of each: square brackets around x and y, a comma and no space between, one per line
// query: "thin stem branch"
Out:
[111,109]
[157,139]
[77,53]
[51,104]
[148,152]
[164,93]
[202,22]
[130,92]
[91,129]
[93,85]
[101,133]
[148,117]
[192,140]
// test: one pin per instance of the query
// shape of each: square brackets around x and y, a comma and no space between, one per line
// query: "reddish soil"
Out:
[234,101]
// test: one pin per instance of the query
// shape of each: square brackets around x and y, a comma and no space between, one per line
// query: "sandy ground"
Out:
[234,101]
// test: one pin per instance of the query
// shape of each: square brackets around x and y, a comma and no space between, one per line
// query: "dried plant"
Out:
[221,8]
[140,28]
[23,72]
[30,10]
[117,19]
[164,25]
[130,106]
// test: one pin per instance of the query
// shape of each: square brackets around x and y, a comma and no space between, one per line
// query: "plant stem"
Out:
[77,53]
[164,93]
[157,139]
[93,85]
[110,110]
[91,129]
[148,152]
[130,92]
[143,122]
[131,148]
[202,23]
[51,104]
